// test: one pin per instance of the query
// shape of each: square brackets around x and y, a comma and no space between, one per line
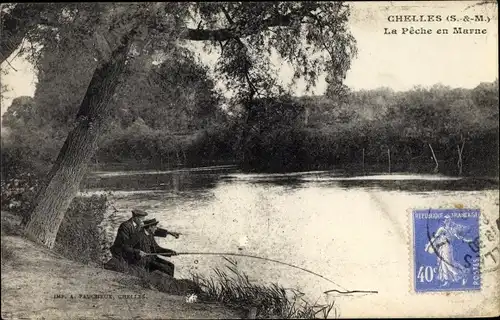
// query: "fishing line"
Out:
[353,291]
[280,262]
[260,258]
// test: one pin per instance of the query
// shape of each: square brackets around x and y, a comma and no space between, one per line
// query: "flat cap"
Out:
[151,222]
[139,212]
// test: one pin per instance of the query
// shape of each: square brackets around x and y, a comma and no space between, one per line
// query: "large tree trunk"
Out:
[64,179]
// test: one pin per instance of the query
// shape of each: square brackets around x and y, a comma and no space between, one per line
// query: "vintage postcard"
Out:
[255,160]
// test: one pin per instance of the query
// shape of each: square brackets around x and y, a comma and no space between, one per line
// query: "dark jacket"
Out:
[121,247]
[147,243]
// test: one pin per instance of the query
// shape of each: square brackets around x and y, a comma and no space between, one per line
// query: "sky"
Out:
[398,61]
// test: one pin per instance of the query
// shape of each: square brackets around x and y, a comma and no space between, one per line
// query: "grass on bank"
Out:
[264,301]
[234,290]
[230,287]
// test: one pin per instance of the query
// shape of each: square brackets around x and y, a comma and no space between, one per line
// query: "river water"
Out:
[354,230]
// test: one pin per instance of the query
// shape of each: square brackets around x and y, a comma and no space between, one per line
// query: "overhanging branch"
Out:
[16,24]
[224,34]
[205,35]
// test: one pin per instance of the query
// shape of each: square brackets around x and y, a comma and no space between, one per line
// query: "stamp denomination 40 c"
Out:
[442,241]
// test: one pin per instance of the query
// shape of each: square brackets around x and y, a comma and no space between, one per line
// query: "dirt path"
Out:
[38,284]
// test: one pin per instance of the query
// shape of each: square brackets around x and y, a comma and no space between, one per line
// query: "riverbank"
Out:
[348,169]
[37,282]
[312,220]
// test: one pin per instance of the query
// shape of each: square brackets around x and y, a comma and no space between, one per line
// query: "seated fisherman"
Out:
[145,246]
[120,249]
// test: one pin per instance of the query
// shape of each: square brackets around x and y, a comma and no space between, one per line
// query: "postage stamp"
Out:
[445,258]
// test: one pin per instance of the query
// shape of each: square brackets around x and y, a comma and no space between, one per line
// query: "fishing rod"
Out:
[275,261]
[260,258]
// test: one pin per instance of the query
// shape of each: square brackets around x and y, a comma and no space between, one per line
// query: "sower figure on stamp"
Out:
[441,244]
[145,246]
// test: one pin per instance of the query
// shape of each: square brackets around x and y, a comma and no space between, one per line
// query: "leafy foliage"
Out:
[303,133]
[80,237]
[312,35]
[269,301]
[176,94]
[337,132]
[68,41]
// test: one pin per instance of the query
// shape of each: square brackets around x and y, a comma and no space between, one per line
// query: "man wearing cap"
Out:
[121,248]
[145,246]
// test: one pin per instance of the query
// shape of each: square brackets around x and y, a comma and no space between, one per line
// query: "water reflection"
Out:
[178,181]
[414,185]
[291,183]
[198,183]
[311,219]
[389,182]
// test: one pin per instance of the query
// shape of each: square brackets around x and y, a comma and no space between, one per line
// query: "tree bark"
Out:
[459,162]
[436,169]
[363,160]
[460,158]
[64,179]
[389,158]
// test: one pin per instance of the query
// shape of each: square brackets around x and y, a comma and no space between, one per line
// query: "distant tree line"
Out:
[167,112]
[438,129]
